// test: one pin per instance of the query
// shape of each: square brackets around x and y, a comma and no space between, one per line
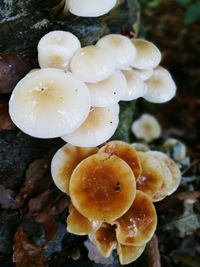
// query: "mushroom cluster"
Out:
[112,190]
[76,91]
[89,8]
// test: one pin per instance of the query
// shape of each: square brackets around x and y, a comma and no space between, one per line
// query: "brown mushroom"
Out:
[138,224]
[78,224]
[128,254]
[65,161]
[152,175]
[105,239]
[102,187]
[125,152]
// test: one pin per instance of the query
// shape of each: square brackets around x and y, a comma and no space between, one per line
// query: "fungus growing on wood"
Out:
[49,103]
[65,161]
[98,189]
[125,152]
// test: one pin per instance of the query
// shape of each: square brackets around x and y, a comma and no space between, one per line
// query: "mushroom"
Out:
[137,226]
[135,86]
[173,167]
[56,48]
[152,175]
[120,47]
[108,92]
[78,224]
[99,126]
[102,187]
[128,254]
[161,87]
[65,161]
[146,127]
[49,103]
[92,64]
[175,148]
[125,152]
[90,8]
[105,239]
[143,74]
[148,55]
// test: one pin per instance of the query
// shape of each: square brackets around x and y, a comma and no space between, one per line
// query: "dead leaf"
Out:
[153,253]
[26,253]
[5,120]
[37,178]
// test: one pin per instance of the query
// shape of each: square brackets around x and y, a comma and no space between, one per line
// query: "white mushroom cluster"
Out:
[76,91]
[89,8]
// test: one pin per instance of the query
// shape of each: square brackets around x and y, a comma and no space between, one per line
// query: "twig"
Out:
[153,253]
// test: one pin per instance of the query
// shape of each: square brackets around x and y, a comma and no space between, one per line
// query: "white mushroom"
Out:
[108,92]
[161,87]
[144,74]
[135,86]
[148,55]
[146,127]
[90,8]
[92,64]
[97,129]
[120,47]
[49,103]
[56,48]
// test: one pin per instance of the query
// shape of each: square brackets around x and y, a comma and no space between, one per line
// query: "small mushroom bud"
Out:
[173,167]
[148,55]
[105,239]
[49,103]
[125,152]
[90,8]
[137,226]
[160,86]
[120,47]
[146,127]
[56,48]
[143,74]
[135,86]
[78,224]
[108,92]
[128,254]
[152,175]
[65,161]
[102,187]
[99,126]
[92,64]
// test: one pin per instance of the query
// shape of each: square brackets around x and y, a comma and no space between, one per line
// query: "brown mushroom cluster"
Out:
[75,93]
[112,190]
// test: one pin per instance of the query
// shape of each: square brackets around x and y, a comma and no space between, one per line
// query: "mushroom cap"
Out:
[146,127]
[90,8]
[135,86]
[148,55]
[128,254]
[160,86]
[78,224]
[173,167]
[152,175]
[125,152]
[143,74]
[56,48]
[92,64]
[120,47]
[108,92]
[99,126]
[137,226]
[65,161]
[102,187]
[49,103]
[105,239]
[167,181]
